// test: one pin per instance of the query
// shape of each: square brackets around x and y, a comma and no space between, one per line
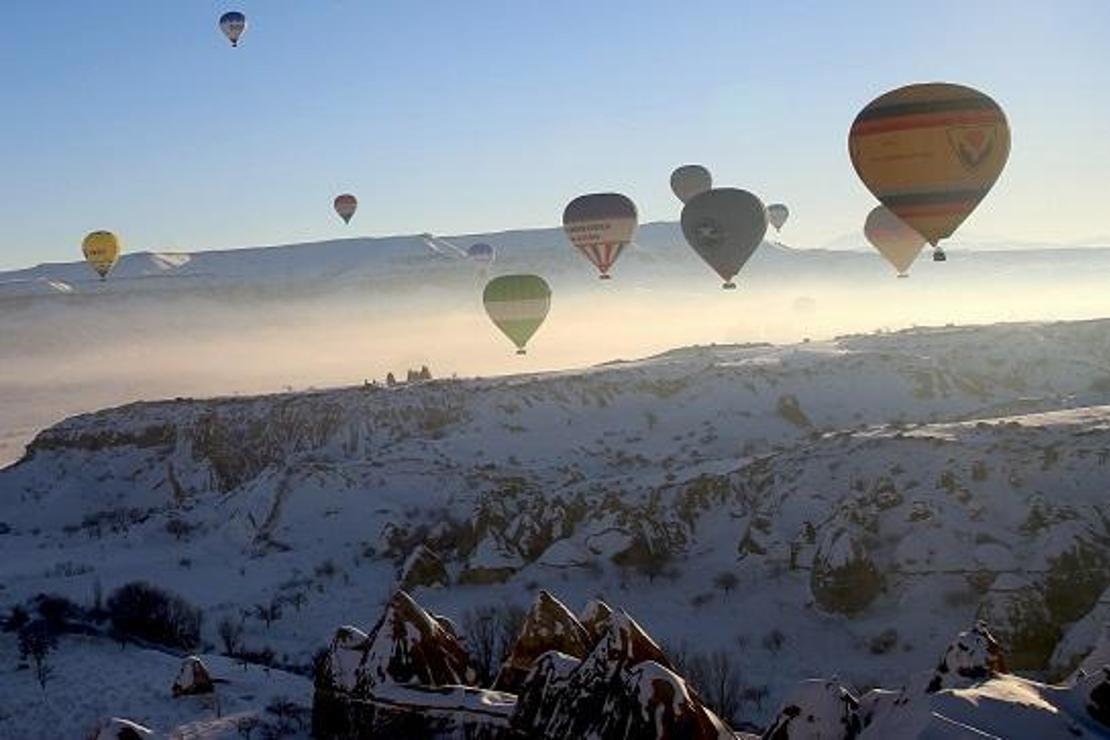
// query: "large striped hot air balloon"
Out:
[101,250]
[518,305]
[346,205]
[233,25]
[930,153]
[690,180]
[725,226]
[897,243]
[600,225]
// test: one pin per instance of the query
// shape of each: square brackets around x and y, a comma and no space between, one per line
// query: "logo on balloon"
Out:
[973,145]
[708,233]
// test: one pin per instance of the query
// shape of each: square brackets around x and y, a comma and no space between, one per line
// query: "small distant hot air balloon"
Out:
[690,180]
[895,240]
[518,305]
[600,225]
[101,249]
[930,153]
[345,206]
[233,25]
[725,226]
[481,252]
[777,213]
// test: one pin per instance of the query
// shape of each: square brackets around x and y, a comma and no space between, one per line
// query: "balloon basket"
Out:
[605,276]
[939,256]
[903,275]
[522,352]
[728,286]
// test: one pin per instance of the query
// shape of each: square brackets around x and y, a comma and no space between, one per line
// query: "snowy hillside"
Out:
[823,508]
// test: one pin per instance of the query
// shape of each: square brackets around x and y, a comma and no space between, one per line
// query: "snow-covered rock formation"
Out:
[548,626]
[192,678]
[406,678]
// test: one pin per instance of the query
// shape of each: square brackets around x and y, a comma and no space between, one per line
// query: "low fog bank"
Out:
[72,354]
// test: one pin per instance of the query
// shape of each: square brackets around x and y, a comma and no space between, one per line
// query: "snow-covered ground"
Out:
[93,679]
[839,507]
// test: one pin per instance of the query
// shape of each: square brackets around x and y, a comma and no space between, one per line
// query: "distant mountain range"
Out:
[659,256]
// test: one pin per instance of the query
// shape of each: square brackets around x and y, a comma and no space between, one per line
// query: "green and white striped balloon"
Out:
[518,305]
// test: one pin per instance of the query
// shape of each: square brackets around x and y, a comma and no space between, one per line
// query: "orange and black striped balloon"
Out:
[930,153]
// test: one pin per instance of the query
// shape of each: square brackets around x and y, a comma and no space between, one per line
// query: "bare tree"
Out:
[268,613]
[510,623]
[726,581]
[716,677]
[247,725]
[231,634]
[481,628]
[36,640]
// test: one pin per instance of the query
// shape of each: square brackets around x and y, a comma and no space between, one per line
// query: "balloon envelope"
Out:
[518,305]
[725,226]
[600,225]
[777,213]
[345,206]
[480,252]
[690,180]
[101,249]
[233,25]
[895,240]
[930,153]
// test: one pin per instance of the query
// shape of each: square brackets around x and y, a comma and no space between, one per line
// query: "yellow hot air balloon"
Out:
[930,153]
[101,250]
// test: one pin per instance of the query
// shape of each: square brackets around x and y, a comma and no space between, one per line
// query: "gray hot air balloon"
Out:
[725,226]
[690,180]
[777,213]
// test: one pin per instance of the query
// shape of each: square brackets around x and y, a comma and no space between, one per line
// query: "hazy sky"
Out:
[137,116]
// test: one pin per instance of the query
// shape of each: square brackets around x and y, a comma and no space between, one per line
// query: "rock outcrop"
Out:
[422,568]
[817,710]
[1096,693]
[120,729]
[595,618]
[410,646]
[624,689]
[193,678]
[549,626]
[972,657]
[405,679]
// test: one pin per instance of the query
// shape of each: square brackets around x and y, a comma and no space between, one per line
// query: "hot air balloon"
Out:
[233,25]
[101,249]
[930,153]
[725,226]
[601,225]
[517,304]
[896,241]
[777,213]
[690,180]
[481,252]
[345,206]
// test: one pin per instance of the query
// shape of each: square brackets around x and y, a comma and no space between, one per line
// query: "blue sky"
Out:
[137,116]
